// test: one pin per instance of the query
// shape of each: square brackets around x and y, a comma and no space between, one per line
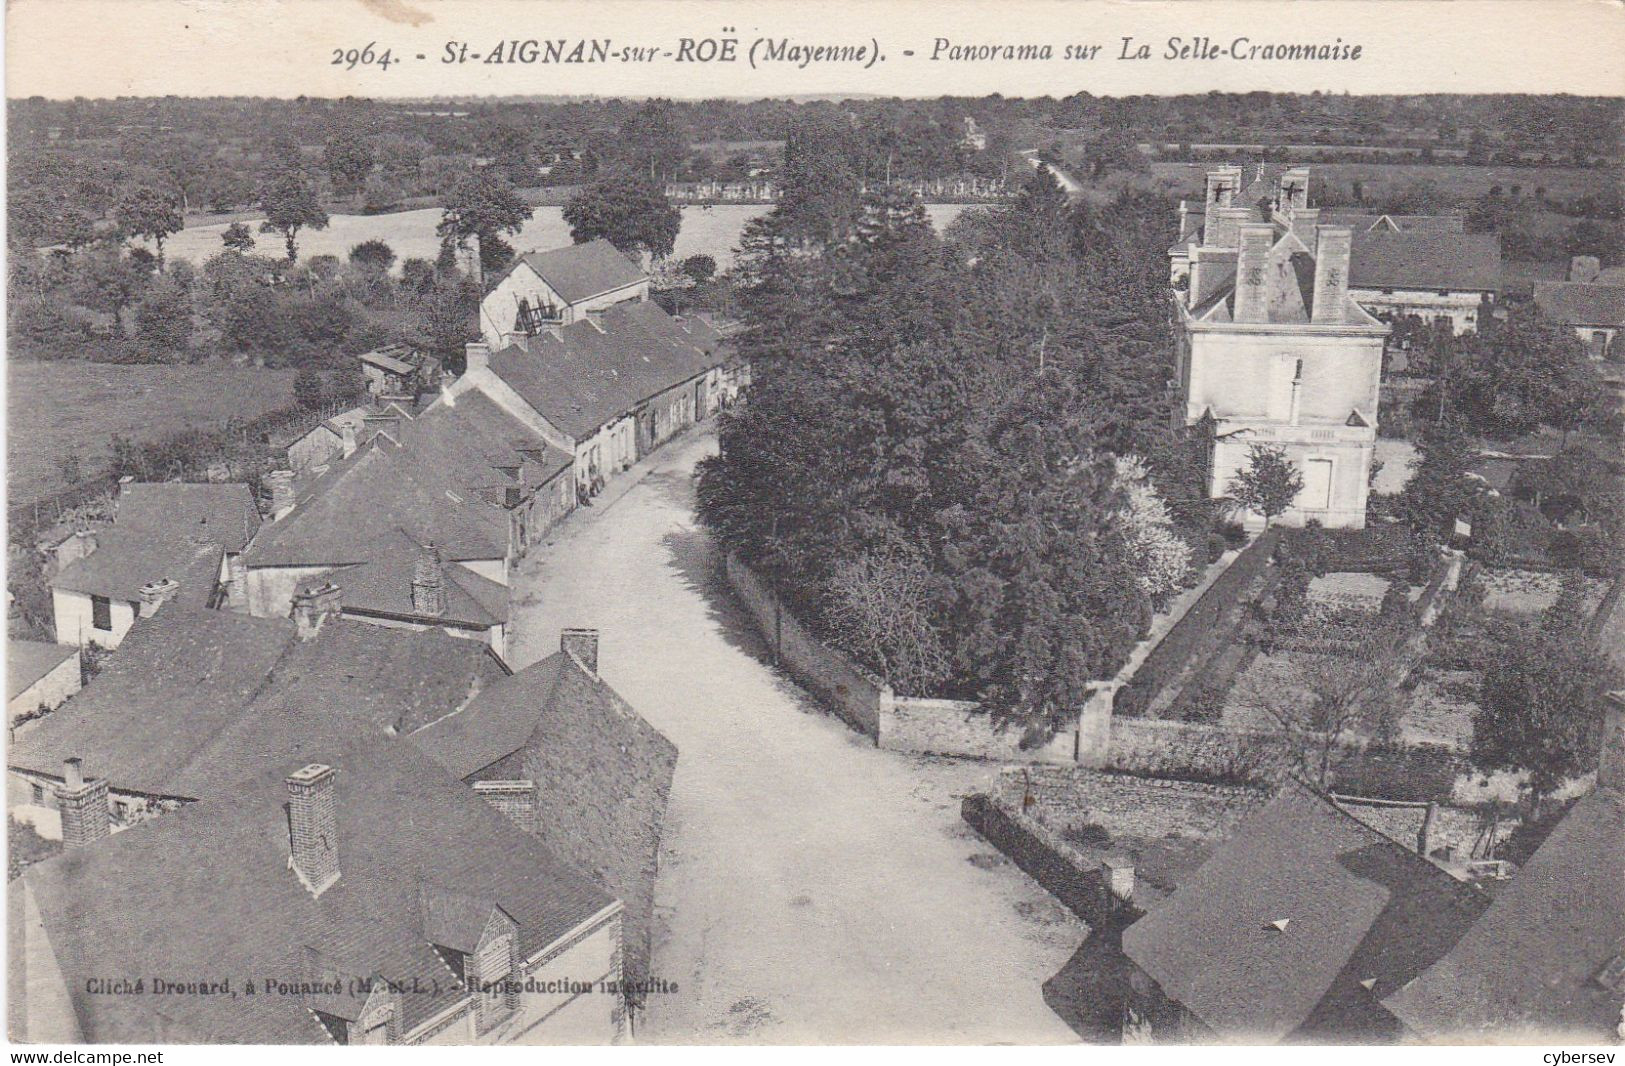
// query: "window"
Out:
[36,793]
[101,613]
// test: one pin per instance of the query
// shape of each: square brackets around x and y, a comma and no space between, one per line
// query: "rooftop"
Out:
[1533,964]
[1577,303]
[1426,260]
[223,513]
[232,907]
[595,372]
[29,660]
[125,559]
[1274,936]
[174,710]
[581,271]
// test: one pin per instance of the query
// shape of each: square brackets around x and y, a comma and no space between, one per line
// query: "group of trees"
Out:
[934,469]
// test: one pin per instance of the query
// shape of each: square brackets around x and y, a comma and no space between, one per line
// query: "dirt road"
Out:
[812,887]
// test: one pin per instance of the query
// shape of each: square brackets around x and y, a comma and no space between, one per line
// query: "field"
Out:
[712,231]
[62,408]
[1457,181]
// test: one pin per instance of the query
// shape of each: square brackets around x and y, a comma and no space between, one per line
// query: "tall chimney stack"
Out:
[1611,764]
[1426,837]
[1252,302]
[476,356]
[1332,247]
[583,644]
[429,582]
[82,805]
[1117,881]
[347,440]
[313,826]
[1223,228]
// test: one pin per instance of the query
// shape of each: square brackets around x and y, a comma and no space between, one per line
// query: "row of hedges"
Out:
[1194,632]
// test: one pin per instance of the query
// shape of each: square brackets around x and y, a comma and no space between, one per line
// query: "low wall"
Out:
[1041,855]
[958,727]
[837,681]
[1124,805]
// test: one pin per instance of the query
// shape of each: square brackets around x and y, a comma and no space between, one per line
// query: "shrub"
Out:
[1087,835]
[1216,546]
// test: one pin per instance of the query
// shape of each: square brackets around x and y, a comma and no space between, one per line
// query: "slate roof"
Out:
[222,513]
[1362,221]
[1358,907]
[1426,260]
[1530,965]
[371,499]
[187,702]
[581,271]
[1582,303]
[384,586]
[27,661]
[207,891]
[595,372]
[124,561]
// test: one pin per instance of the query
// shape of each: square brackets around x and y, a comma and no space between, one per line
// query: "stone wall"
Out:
[958,727]
[837,681]
[1125,805]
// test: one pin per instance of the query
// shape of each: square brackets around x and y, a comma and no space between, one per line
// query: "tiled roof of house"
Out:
[602,776]
[1426,260]
[177,680]
[396,358]
[1289,279]
[582,271]
[29,660]
[384,586]
[216,897]
[1582,303]
[183,705]
[1356,906]
[1533,963]
[125,560]
[370,500]
[221,513]
[1363,221]
[598,371]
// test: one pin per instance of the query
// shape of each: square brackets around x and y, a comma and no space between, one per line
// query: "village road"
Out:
[812,887]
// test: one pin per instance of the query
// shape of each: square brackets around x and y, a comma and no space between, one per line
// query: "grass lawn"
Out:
[57,408]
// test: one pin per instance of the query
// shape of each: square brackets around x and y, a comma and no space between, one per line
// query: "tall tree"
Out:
[289,201]
[143,211]
[631,213]
[349,158]
[483,205]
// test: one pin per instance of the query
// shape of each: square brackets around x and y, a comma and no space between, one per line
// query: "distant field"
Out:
[1462,181]
[57,408]
[712,231]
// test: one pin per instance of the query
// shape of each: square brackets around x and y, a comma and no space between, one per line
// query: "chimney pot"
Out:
[313,826]
[154,594]
[583,645]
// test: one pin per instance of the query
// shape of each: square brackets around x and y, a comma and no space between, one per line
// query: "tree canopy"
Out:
[630,212]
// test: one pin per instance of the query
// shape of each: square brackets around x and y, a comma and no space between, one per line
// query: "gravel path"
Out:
[812,887]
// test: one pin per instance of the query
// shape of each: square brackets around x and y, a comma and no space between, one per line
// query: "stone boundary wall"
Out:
[959,727]
[836,680]
[1125,805]
[1042,855]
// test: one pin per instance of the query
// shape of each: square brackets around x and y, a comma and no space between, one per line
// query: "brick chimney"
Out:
[154,594]
[313,827]
[83,806]
[1292,192]
[347,442]
[477,356]
[583,645]
[313,604]
[1611,763]
[281,485]
[429,582]
[1332,247]
[1222,185]
[1252,300]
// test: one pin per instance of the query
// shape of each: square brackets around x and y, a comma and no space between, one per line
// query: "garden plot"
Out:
[1532,591]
